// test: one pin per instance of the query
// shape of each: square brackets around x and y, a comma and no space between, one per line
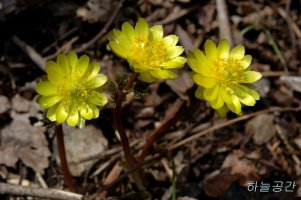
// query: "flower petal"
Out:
[73,117]
[210,94]
[62,113]
[246,61]
[82,65]
[199,93]
[63,63]
[206,82]
[72,58]
[251,76]
[122,39]
[237,52]
[142,28]
[118,50]
[175,51]
[163,74]
[48,101]
[54,73]
[97,98]
[86,111]
[170,41]
[203,65]
[223,49]
[175,63]
[128,30]
[222,112]
[156,32]
[95,110]
[147,77]
[46,88]
[92,70]
[51,112]
[235,106]
[224,95]
[210,50]
[96,82]
[217,103]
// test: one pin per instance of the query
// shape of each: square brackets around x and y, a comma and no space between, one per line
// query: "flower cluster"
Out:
[223,76]
[147,51]
[71,90]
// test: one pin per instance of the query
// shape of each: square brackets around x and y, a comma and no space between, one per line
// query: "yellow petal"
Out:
[210,50]
[92,70]
[247,100]
[72,58]
[55,75]
[235,106]
[222,112]
[97,98]
[225,96]
[175,51]
[163,74]
[246,61]
[128,30]
[118,50]
[73,117]
[82,65]
[223,49]
[48,101]
[237,52]
[85,111]
[63,63]
[170,41]
[250,91]
[95,110]
[251,76]
[199,93]
[142,28]
[62,113]
[210,94]
[96,82]
[51,112]
[203,64]
[81,122]
[122,39]
[147,77]
[217,103]
[206,82]
[175,63]
[46,88]
[156,32]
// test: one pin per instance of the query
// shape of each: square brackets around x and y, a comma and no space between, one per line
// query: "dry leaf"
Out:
[21,140]
[4,104]
[293,81]
[261,128]
[82,144]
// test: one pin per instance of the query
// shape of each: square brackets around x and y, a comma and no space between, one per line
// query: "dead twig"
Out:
[19,190]
[31,52]
[223,21]
[86,45]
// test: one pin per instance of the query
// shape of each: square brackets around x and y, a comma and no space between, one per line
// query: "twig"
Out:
[176,15]
[6,188]
[289,20]
[223,19]
[170,119]
[31,52]
[62,154]
[227,123]
[86,45]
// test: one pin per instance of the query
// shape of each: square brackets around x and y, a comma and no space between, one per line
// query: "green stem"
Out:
[129,158]
[62,154]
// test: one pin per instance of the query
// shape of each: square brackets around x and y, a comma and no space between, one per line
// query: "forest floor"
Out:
[200,155]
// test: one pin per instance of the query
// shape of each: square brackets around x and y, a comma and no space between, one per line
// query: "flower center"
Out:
[149,54]
[229,72]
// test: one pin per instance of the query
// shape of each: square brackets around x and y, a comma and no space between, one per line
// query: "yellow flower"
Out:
[223,76]
[71,90]
[147,51]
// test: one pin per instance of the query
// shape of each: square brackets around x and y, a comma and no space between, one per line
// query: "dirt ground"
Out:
[199,155]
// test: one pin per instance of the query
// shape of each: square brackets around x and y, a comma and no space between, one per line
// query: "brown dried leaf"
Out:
[4,104]
[261,128]
[21,140]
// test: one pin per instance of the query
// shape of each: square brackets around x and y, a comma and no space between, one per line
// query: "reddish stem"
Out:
[62,154]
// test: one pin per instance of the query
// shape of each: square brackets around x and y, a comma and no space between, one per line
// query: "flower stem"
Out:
[62,154]
[129,158]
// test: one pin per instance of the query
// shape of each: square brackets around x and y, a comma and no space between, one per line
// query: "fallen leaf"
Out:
[292,81]
[81,144]
[261,128]
[4,104]
[21,140]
